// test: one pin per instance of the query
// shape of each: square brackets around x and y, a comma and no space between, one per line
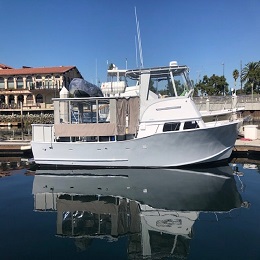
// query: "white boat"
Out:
[136,131]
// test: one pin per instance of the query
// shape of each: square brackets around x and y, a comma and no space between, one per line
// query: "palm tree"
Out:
[250,73]
[235,76]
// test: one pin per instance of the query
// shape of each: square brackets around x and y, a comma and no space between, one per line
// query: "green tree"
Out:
[235,76]
[251,76]
[168,89]
[213,86]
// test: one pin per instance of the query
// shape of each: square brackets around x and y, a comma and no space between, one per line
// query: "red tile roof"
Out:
[3,66]
[29,71]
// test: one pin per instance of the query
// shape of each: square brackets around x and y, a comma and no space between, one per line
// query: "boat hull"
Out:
[169,149]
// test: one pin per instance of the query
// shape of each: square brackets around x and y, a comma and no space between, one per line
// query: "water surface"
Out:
[209,213]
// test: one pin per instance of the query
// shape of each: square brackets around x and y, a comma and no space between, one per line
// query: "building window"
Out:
[29,99]
[39,98]
[2,83]
[39,83]
[10,83]
[175,126]
[65,82]
[29,82]
[48,82]
[57,82]
[2,101]
[11,101]
[19,82]
[48,99]
[20,99]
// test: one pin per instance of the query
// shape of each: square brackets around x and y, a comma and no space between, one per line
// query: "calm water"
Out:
[209,213]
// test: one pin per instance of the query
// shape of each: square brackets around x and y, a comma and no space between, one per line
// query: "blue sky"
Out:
[202,34]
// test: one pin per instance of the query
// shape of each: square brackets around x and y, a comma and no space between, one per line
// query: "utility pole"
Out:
[223,64]
[241,77]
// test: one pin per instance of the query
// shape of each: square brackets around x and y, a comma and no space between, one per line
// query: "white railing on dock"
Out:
[248,102]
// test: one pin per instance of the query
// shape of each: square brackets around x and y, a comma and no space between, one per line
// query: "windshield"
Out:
[165,87]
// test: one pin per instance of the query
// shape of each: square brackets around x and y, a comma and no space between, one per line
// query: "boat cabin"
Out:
[118,116]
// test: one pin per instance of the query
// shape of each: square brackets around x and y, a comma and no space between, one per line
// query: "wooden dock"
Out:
[15,147]
[247,145]
[246,148]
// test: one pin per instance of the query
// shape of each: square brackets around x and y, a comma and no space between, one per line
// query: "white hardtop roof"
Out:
[157,72]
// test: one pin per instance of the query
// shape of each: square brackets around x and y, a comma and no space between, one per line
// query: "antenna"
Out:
[139,40]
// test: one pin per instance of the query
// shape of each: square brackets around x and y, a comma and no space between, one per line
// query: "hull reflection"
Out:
[155,208]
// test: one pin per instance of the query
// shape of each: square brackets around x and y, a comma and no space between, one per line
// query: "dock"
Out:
[15,147]
[248,145]
[243,145]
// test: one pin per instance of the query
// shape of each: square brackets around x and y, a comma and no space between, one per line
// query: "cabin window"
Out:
[171,127]
[190,125]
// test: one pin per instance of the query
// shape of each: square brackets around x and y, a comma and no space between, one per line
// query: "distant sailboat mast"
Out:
[136,54]
[96,74]
[139,40]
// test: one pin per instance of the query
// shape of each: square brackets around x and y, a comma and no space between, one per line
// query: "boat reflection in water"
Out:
[155,208]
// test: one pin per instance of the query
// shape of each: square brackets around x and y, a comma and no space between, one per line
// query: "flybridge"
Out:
[175,77]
